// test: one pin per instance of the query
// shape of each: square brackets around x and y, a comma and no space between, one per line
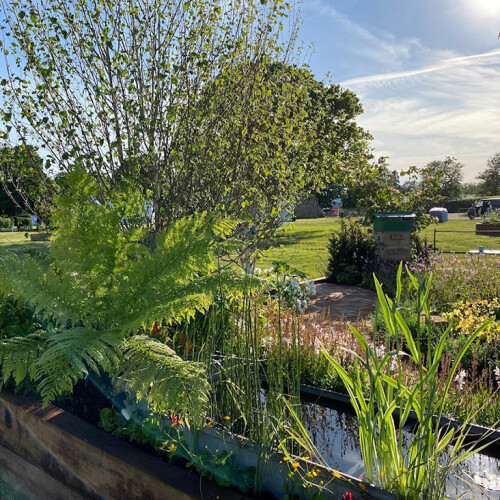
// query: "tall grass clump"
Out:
[418,466]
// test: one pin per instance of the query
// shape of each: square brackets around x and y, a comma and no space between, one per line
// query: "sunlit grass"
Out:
[304,245]
[17,242]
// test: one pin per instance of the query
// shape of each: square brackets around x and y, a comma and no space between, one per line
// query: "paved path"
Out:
[339,302]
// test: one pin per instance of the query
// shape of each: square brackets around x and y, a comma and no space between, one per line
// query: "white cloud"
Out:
[443,65]
[423,103]
[380,46]
[374,47]
[419,116]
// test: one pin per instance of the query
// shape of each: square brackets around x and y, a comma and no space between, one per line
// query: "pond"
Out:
[335,434]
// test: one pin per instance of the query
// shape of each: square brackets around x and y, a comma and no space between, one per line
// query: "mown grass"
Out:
[304,243]
[449,236]
[17,242]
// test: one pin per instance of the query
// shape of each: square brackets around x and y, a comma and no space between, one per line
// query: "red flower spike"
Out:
[347,496]
[156,328]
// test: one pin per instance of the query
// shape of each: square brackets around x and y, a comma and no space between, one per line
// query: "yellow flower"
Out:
[295,465]
[172,448]
[286,458]
[227,417]
[336,474]
[208,424]
[305,458]
[164,445]
[363,486]
[181,422]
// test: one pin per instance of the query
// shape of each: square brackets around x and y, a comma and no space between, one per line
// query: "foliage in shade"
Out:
[103,287]
[351,253]
[155,372]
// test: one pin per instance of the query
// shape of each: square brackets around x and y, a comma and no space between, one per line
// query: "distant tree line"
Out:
[389,189]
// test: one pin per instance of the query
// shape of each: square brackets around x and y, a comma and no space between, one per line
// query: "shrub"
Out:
[468,316]
[5,222]
[23,221]
[492,218]
[287,284]
[351,252]
[16,320]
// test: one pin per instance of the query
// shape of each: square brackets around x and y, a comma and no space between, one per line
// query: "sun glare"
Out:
[484,7]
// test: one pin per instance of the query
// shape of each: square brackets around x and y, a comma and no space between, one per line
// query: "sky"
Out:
[427,73]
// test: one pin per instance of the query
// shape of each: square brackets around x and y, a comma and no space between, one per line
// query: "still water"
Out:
[335,435]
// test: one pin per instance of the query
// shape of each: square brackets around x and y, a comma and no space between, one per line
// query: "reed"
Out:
[418,466]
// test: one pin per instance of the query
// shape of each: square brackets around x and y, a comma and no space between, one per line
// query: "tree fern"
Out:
[70,354]
[102,285]
[169,384]
[19,355]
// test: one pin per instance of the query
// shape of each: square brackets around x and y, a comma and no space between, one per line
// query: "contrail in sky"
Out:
[447,63]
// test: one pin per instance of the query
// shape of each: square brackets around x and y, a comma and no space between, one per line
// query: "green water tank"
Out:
[394,221]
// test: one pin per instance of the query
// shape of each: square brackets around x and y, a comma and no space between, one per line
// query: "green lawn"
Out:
[305,246]
[17,242]
[449,236]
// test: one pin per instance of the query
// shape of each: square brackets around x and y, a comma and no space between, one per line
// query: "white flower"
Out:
[460,379]
[394,364]
[380,351]
[267,341]
[497,374]
[317,346]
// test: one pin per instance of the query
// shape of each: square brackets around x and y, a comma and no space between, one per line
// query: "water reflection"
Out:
[335,434]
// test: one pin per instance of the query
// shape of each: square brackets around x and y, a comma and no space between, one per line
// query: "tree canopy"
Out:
[198,101]
[451,174]
[490,176]
[24,185]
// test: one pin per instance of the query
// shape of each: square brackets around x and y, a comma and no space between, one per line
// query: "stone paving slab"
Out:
[342,302]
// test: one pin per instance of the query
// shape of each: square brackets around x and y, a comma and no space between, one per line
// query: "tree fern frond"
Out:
[154,371]
[179,302]
[70,354]
[19,354]
[38,285]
